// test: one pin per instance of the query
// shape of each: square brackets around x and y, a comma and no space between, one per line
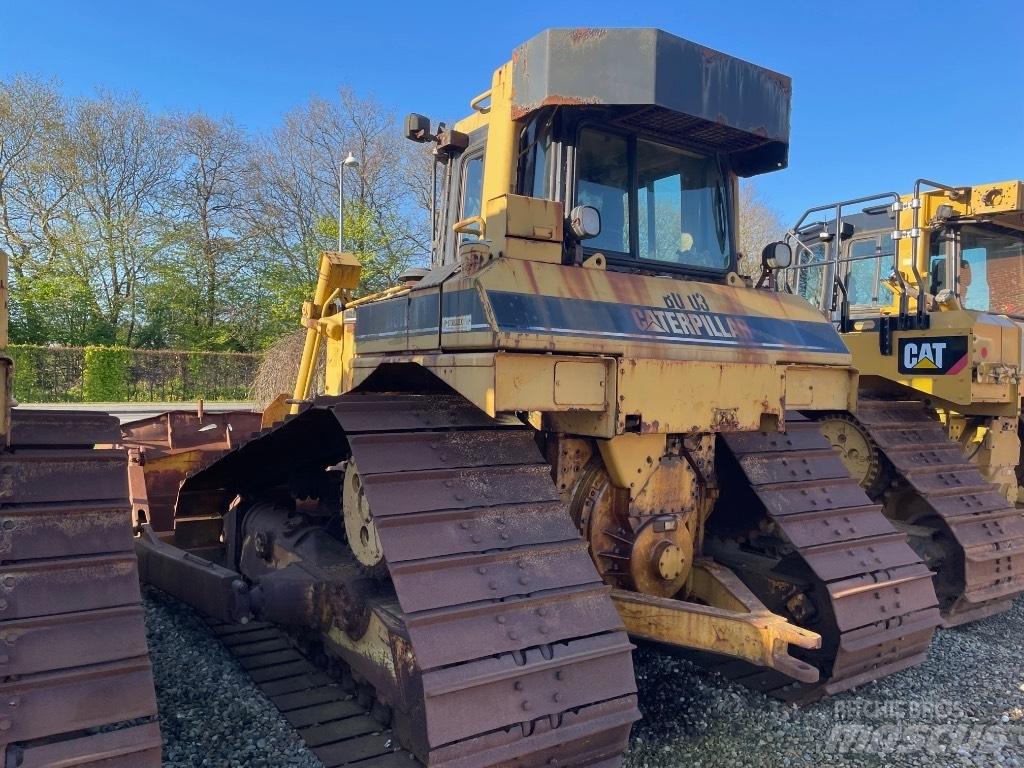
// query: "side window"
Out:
[604,182]
[472,191]
[864,258]
[809,273]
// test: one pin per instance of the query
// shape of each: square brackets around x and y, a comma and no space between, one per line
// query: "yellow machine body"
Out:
[628,360]
[962,248]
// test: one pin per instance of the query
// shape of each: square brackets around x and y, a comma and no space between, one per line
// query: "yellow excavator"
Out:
[579,425]
[927,290]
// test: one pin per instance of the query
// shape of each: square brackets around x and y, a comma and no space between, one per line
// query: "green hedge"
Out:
[121,374]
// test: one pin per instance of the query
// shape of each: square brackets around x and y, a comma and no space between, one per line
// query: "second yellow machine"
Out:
[579,423]
[928,292]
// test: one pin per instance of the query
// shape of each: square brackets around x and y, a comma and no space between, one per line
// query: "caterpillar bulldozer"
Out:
[579,425]
[927,290]
[76,684]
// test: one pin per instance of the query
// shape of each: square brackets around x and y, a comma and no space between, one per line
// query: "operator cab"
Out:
[644,129]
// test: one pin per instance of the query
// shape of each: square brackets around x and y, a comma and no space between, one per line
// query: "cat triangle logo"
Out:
[923,355]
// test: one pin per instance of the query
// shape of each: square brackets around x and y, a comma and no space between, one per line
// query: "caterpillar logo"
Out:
[935,356]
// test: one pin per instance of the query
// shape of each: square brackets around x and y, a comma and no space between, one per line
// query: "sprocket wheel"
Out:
[858,451]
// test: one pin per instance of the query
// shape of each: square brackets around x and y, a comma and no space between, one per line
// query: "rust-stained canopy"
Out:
[664,85]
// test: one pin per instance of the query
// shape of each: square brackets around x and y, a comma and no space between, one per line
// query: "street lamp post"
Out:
[348,162]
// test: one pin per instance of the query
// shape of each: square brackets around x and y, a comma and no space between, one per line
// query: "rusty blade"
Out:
[184,430]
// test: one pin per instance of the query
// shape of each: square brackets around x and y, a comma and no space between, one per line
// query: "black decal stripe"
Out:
[527,313]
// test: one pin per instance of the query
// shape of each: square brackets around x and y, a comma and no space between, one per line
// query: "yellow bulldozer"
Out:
[927,290]
[579,425]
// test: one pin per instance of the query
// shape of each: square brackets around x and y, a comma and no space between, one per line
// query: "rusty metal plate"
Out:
[451,532]
[926,458]
[400,493]
[895,438]
[814,528]
[66,429]
[390,412]
[307,697]
[965,480]
[61,702]
[49,587]
[445,581]
[888,412]
[42,644]
[502,691]
[135,747]
[35,476]
[323,713]
[991,578]
[844,559]
[32,532]
[810,497]
[361,748]
[398,451]
[861,601]
[999,534]
[183,430]
[339,731]
[596,735]
[798,437]
[762,469]
[450,635]
[982,503]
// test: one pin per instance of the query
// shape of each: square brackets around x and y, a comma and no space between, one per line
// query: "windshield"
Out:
[992,269]
[674,209]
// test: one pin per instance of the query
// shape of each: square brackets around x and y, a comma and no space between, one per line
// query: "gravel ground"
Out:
[211,715]
[963,707]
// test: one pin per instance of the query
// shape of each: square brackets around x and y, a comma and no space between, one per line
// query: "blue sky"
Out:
[883,92]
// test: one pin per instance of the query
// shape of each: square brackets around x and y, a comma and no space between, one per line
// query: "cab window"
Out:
[472,191]
[870,260]
[659,204]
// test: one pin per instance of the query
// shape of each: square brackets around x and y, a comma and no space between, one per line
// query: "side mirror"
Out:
[585,222]
[777,255]
[417,128]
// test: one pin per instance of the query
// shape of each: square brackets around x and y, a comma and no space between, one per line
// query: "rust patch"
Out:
[583,35]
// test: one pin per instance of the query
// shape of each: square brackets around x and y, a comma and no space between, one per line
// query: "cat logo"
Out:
[936,356]
[923,355]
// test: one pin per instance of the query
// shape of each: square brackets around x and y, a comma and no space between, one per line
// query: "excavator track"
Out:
[505,645]
[819,550]
[961,522]
[76,685]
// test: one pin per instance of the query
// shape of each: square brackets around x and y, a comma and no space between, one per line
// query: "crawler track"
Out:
[816,548]
[334,719]
[76,685]
[967,530]
[504,646]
